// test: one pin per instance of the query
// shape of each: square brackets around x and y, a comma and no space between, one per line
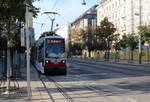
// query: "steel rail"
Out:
[46,88]
[60,89]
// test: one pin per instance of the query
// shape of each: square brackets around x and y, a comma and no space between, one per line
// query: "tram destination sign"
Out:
[53,41]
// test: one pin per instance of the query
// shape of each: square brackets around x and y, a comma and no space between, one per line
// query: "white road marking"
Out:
[131,100]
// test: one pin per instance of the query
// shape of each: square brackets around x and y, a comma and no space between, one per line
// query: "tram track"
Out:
[45,86]
[99,92]
[61,90]
[59,87]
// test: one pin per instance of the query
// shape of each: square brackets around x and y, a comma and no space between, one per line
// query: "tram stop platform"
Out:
[39,93]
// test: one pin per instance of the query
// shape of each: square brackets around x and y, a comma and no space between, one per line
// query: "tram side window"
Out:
[40,53]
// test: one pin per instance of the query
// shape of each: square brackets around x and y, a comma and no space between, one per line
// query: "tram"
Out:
[48,55]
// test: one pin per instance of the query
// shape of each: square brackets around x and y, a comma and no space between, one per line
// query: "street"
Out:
[99,82]
[99,49]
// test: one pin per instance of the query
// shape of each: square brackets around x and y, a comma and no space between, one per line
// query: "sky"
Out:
[69,10]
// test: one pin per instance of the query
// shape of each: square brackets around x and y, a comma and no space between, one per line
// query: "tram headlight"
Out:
[63,61]
[47,61]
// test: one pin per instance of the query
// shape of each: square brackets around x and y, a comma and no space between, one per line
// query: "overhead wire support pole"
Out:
[52,19]
[140,24]
[27,52]
[132,17]
[52,24]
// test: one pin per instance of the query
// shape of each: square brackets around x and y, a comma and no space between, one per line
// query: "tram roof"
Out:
[54,37]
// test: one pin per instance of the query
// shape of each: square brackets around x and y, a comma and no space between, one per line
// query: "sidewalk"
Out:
[39,93]
[112,61]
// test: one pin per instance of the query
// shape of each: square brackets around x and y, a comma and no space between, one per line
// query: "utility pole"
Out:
[52,19]
[140,24]
[9,67]
[27,52]
[52,24]
[132,17]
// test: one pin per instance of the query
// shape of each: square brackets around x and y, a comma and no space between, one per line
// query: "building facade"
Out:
[64,31]
[88,18]
[124,14]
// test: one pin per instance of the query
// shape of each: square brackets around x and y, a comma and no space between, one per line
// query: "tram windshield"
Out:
[54,47]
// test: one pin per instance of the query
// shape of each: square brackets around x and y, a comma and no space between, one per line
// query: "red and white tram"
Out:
[48,55]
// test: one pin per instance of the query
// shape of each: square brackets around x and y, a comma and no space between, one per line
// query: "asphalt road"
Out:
[102,82]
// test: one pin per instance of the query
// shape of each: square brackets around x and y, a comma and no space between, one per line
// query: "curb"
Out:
[130,64]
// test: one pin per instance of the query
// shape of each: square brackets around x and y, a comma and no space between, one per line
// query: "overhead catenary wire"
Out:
[55,4]
[40,23]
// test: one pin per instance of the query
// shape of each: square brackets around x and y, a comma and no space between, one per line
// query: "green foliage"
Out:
[123,42]
[106,32]
[99,38]
[117,45]
[107,29]
[100,42]
[130,41]
[15,9]
[3,43]
[76,48]
[144,32]
[88,38]
[11,15]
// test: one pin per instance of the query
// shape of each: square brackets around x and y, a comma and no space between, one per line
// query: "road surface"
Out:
[100,82]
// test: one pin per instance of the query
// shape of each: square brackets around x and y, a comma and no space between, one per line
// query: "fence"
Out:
[123,55]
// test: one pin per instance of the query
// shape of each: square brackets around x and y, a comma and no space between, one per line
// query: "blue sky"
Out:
[69,10]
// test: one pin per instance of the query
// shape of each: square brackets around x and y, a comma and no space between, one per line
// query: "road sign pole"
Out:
[27,53]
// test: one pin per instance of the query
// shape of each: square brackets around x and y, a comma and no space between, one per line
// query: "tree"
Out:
[117,46]
[76,49]
[11,15]
[88,38]
[107,31]
[131,41]
[144,32]
[100,43]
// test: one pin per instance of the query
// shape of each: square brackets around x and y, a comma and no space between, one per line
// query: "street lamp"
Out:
[52,19]
[27,51]
[140,24]
[83,3]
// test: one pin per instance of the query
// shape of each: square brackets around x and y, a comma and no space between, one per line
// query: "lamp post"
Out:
[27,51]
[140,24]
[83,3]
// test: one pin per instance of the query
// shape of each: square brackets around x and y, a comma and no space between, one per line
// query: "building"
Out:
[124,14]
[64,31]
[88,18]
